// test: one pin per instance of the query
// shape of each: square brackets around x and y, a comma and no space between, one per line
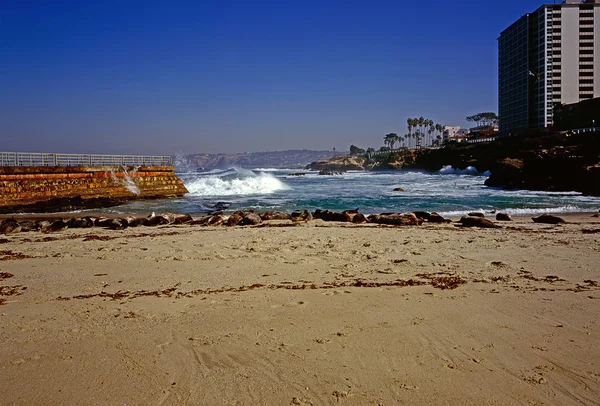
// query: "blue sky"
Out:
[165,77]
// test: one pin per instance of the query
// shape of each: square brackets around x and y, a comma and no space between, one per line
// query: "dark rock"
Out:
[64,205]
[507,174]
[234,220]
[251,219]
[476,214]
[359,218]
[275,215]
[476,222]
[56,227]
[503,217]
[327,172]
[218,206]
[10,226]
[548,219]
[396,219]
[398,189]
[297,174]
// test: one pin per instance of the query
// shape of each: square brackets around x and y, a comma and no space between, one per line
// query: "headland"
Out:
[540,161]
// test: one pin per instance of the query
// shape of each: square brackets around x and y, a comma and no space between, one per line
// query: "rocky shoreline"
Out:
[547,162]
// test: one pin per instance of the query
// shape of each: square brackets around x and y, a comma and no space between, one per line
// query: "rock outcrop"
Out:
[338,164]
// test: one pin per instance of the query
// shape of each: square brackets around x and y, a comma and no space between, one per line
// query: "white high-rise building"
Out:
[548,57]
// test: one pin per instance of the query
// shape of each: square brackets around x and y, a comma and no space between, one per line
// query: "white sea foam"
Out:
[470,170]
[246,184]
[126,181]
[276,169]
[522,211]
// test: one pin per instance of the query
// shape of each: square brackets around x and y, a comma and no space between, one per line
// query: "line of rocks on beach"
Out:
[250,218]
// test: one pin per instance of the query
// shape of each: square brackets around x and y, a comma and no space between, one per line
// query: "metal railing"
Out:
[44,159]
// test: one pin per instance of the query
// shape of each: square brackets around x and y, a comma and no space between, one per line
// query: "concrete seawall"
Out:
[38,187]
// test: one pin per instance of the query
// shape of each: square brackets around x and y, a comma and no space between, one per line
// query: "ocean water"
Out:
[448,192]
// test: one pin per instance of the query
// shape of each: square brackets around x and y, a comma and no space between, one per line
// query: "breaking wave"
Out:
[233,182]
[470,170]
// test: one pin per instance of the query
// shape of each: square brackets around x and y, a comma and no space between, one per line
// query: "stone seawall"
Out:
[55,188]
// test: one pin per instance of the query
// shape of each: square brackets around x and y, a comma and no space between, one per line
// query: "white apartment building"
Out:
[548,57]
[450,131]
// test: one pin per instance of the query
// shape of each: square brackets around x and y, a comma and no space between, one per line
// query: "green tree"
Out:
[485,121]
[354,150]
[390,139]
[370,152]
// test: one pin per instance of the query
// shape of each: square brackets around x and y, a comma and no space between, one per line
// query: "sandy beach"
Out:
[309,314]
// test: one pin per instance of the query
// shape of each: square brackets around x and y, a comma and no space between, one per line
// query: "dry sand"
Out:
[206,316]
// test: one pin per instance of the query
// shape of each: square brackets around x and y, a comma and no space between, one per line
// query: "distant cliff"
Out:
[277,159]
[549,162]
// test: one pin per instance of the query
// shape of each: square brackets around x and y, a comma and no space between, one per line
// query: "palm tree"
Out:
[440,129]
[430,131]
[409,121]
[413,122]
[421,124]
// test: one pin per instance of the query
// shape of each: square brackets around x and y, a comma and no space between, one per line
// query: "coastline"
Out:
[315,313]
[569,216]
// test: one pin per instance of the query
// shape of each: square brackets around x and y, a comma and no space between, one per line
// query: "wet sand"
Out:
[311,314]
